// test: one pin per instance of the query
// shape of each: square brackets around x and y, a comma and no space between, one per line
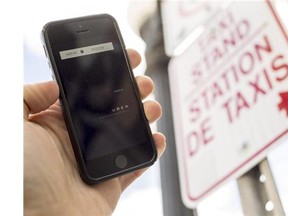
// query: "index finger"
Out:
[134,58]
[145,86]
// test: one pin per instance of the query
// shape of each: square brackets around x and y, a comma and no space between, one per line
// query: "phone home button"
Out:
[121,161]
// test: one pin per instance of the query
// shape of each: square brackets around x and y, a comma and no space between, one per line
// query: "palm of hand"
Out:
[52,185]
[51,168]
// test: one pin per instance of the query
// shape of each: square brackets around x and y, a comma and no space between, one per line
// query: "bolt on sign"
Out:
[229,97]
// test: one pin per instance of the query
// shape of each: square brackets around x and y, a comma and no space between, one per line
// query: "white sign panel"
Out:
[229,97]
[181,17]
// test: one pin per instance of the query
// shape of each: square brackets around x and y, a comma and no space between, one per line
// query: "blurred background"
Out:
[144,197]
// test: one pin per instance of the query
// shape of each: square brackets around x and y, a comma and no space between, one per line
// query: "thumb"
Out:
[40,96]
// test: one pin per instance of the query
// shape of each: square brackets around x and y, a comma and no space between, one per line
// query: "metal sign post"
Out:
[258,192]
[157,63]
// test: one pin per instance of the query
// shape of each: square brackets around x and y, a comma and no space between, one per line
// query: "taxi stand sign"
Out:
[229,97]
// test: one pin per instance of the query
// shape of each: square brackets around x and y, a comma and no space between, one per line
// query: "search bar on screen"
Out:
[88,50]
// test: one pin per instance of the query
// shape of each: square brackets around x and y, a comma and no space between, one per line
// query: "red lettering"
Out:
[235,75]
[229,42]
[216,54]
[200,137]
[233,80]
[256,88]
[263,47]
[279,64]
[207,137]
[226,80]
[242,29]
[205,98]
[196,74]
[259,87]
[194,110]
[241,103]
[225,23]
[226,37]
[226,107]
[206,63]
[267,79]
[246,63]
[193,141]
[216,92]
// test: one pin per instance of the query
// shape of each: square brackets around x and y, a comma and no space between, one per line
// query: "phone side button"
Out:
[121,161]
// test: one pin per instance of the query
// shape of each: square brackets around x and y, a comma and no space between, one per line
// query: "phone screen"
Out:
[100,95]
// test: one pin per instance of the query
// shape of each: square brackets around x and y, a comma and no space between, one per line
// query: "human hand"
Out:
[52,185]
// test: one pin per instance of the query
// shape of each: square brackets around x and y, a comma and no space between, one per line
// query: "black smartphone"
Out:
[100,100]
